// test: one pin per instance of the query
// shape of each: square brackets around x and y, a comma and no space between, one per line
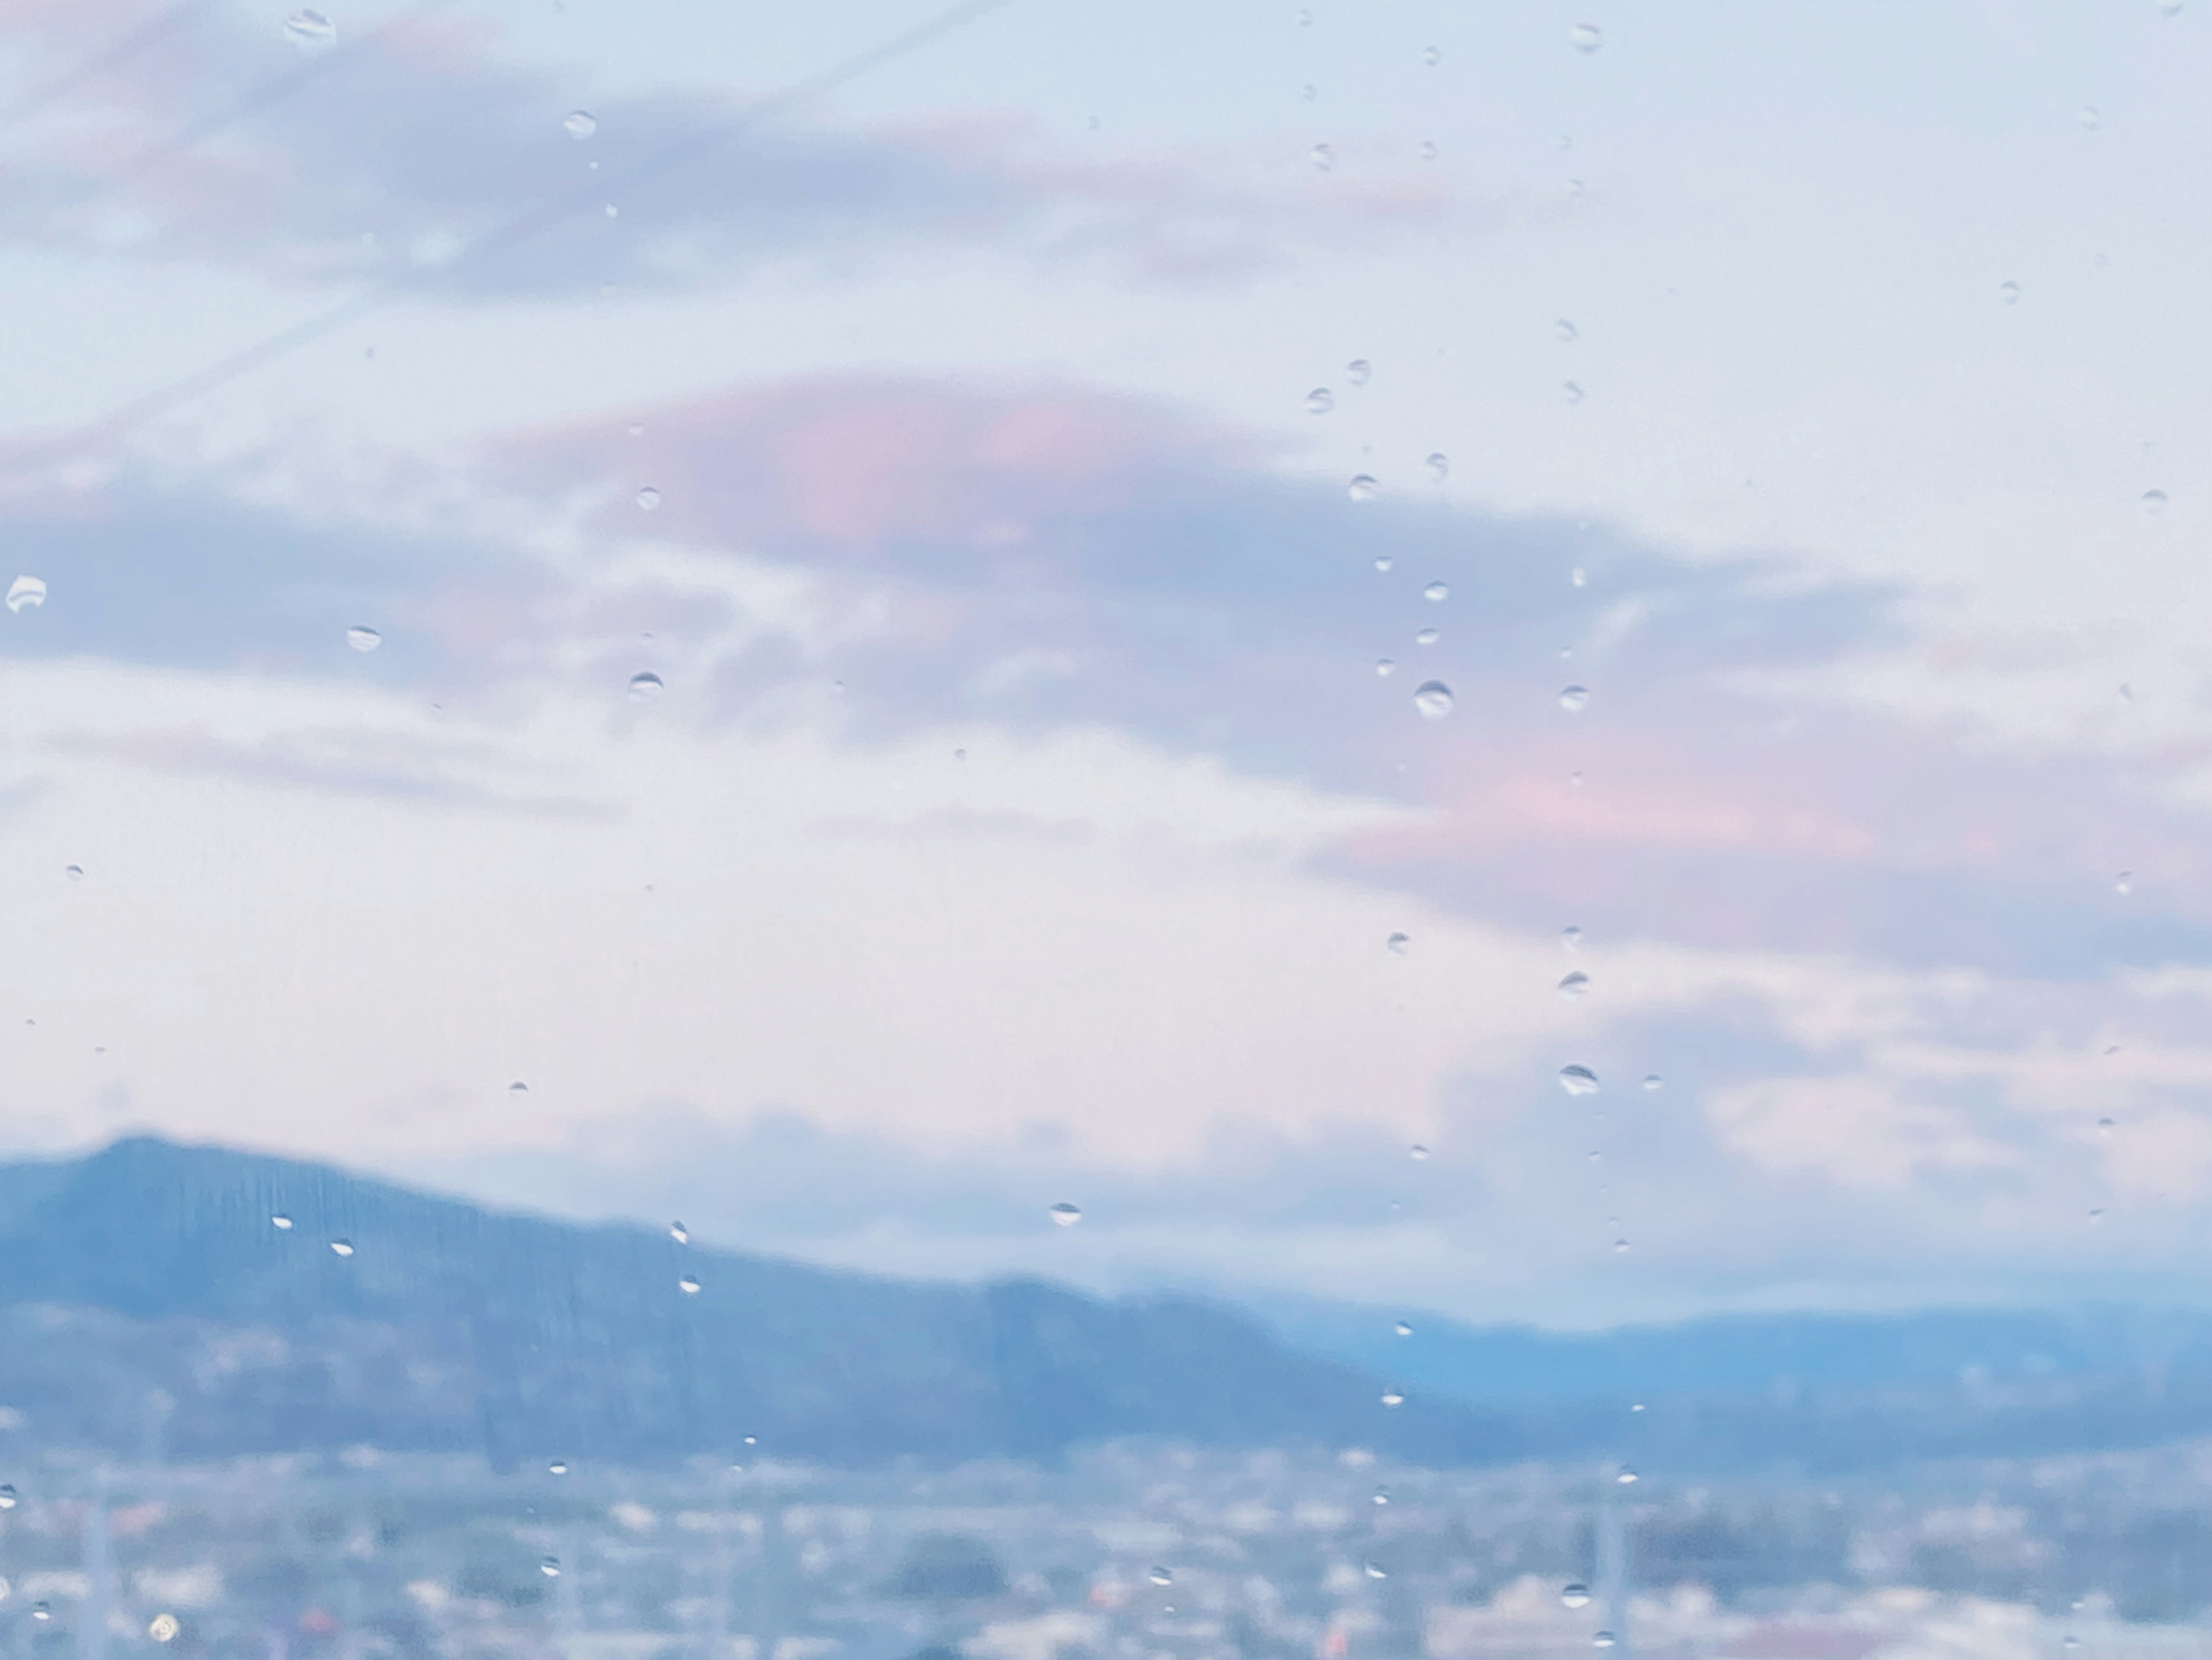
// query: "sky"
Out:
[1027,446]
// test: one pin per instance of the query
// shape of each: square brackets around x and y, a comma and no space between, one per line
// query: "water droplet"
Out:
[281,1222]
[1433,699]
[1626,1478]
[1602,1640]
[75,873]
[2154,501]
[1575,1596]
[363,639]
[1574,699]
[1578,1080]
[558,1467]
[1383,562]
[1428,149]
[550,1567]
[1427,637]
[1439,465]
[1357,370]
[688,1286]
[1067,1215]
[2124,882]
[1320,401]
[1305,18]
[1571,936]
[310,31]
[2169,8]
[1653,1083]
[1432,55]
[1574,187]
[1362,488]
[1574,985]
[1383,666]
[645,686]
[1323,157]
[2009,292]
[1394,1397]
[1398,943]
[1585,37]
[2087,115]
[1375,1571]
[648,499]
[1574,393]
[2096,1215]
[1310,92]
[163,1627]
[580,124]
[2104,1126]
[1621,1245]
[1403,1329]
[26,593]
[518,1088]
[1161,1576]
[1578,576]
[341,1247]
[679,1233]
[1564,330]
[1418,1153]
[40,1611]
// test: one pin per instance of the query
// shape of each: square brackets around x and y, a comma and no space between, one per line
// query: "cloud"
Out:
[413,156]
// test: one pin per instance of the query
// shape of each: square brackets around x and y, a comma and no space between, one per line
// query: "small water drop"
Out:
[688,1286]
[310,31]
[341,1247]
[1385,666]
[1383,562]
[2125,883]
[1362,488]
[75,873]
[1436,593]
[1620,1245]
[679,1233]
[1323,157]
[1626,1478]
[1305,17]
[648,499]
[1574,699]
[40,1611]
[2088,116]
[363,639]
[1585,38]
[1574,985]
[2154,501]
[1417,1152]
[281,1222]
[1578,1080]
[1432,55]
[580,124]
[1428,149]
[518,1088]
[1653,1083]
[1403,1329]
[1357,370]
[1398,943]
[1574,393]
[26,593]
[645,686]
[1394,1397]
[163,1627]
[2104,1127]
[1603,1641]
[550,1567]
[558,1467]
[1564,330]
[1433,699]
[1571,936]
[1375,1570]
[1066,1215]
[1439,465]
[1161,1576]
[1578,576]
[1574,1595]
[1427,637]
[1320,401]
[2009,292]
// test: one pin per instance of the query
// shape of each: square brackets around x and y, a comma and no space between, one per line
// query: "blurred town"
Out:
[1125,1552]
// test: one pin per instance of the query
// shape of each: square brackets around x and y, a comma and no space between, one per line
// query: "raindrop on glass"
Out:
[1394,1397]
[40,1611]
[518,1088]
[2104,1126]
[1585,37]
[1417,1152]
[1602,1640]
[1320,401]
[1653,1083]
[363,639]
[2125,883]
[1067,1215]
[550,1567]
[1626,1478]
[1431,57]
[281,1222]
[1575,1596]
[1622,1246]
[310,31]
[1397,943]
[688,1286]
[1428,149]
[2154,501]
[2009,292]
[26,593]
[1571,936]
[1436,591]
[163,1627]
[1439,465]
[558,1467]
[1357,370]
[1578,1080]
[648,499]
[1574,985]
[75,873]
[1433,699]
[1383,562]
[1564,330]
[1427,637]
[1574,393]
[341,1247]
[1161,1576]
[1383,666]
[2087,115]
[1574,699]
[1323,157]
[1362,488]
[1578,576]
[1403,1329]
[580,124]
[679,1233]
[645,686]
[1375,1571]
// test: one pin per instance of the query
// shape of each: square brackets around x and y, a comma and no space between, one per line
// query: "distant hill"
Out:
[147,1298]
